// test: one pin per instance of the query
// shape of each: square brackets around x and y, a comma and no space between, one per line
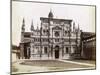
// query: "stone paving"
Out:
[28,66]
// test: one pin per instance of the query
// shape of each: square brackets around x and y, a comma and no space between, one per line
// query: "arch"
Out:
[57,52]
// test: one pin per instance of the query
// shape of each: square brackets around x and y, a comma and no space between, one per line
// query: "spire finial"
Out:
[23,25]
[73,26]
[32,27]
[23,21]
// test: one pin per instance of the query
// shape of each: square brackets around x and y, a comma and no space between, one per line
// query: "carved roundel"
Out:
[57,34]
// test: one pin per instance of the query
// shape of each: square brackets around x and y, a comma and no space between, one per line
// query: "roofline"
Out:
[55,19]
[89,32]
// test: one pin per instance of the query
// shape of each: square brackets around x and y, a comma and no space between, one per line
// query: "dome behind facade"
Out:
[50,15]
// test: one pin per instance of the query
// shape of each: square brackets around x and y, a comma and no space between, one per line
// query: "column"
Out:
[31,50]
[22,51]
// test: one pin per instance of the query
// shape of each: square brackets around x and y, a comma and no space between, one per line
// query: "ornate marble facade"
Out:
[55,39]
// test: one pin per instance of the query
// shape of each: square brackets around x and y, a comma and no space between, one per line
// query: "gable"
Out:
[57,28]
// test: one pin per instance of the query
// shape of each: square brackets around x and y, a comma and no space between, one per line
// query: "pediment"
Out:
[57,28]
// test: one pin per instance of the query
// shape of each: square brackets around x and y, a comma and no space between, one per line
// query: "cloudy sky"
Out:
[30,11]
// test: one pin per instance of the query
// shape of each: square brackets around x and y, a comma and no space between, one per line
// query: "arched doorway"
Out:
[56,52]
[26,50]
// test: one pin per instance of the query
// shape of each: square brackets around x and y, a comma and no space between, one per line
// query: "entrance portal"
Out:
[57,52]
[26,50]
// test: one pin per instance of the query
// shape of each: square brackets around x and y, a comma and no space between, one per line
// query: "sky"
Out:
[30,11]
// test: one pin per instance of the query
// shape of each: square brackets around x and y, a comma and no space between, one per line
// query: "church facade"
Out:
[55,39]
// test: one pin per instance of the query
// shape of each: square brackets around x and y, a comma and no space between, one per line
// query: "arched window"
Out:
[66,50]
[45,50]
[44,31]
[65,32]
[56,33]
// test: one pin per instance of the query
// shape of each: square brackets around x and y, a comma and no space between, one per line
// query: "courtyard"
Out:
[34,66]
